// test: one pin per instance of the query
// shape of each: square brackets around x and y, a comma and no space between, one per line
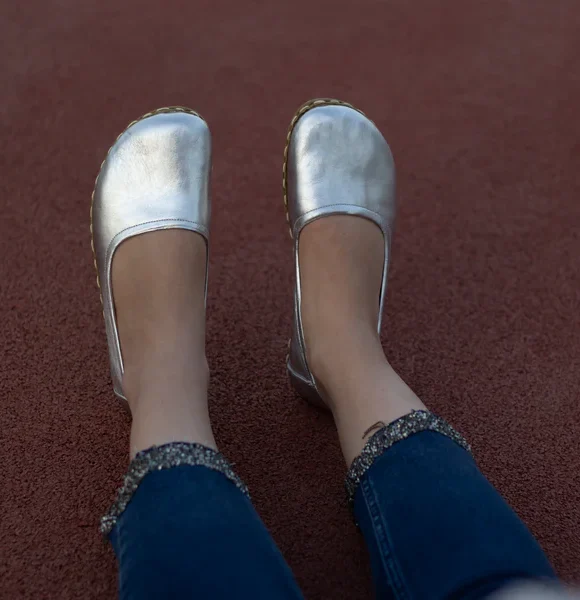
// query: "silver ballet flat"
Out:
[155,176]
[336,162]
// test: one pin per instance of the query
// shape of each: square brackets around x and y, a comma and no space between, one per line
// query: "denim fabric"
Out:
[435,529]
[189,533]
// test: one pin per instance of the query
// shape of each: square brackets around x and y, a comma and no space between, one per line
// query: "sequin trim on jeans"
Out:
[166,456]
[384,438]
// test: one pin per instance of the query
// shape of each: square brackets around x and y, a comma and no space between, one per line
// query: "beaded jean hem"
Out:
[387,436]
[162,457]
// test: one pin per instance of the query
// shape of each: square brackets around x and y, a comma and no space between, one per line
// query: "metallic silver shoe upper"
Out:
[338,162]
[156,176]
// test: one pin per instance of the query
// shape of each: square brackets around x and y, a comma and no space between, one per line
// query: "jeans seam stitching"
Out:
[123,595]
[381,531]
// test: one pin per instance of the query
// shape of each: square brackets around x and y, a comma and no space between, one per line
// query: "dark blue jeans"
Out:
[434,526]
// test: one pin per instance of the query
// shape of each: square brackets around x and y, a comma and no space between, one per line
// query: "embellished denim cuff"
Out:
[387,436]
[166,456]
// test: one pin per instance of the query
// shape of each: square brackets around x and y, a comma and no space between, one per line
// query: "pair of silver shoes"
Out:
[156,176]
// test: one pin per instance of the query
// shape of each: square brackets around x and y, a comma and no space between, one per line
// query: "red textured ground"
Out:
[480,104]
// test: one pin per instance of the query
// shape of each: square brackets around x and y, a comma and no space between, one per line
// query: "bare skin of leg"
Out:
[341,261]
[158,287]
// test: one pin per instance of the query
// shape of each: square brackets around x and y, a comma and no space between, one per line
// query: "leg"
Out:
[187,531]
[434,526]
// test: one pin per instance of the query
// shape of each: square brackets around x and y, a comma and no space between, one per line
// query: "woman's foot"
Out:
[159,292]
[341,257]
[150,224]
[339,180]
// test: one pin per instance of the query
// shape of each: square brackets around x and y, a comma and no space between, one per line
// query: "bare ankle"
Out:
[368,396]
[339,361]
[163,377]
